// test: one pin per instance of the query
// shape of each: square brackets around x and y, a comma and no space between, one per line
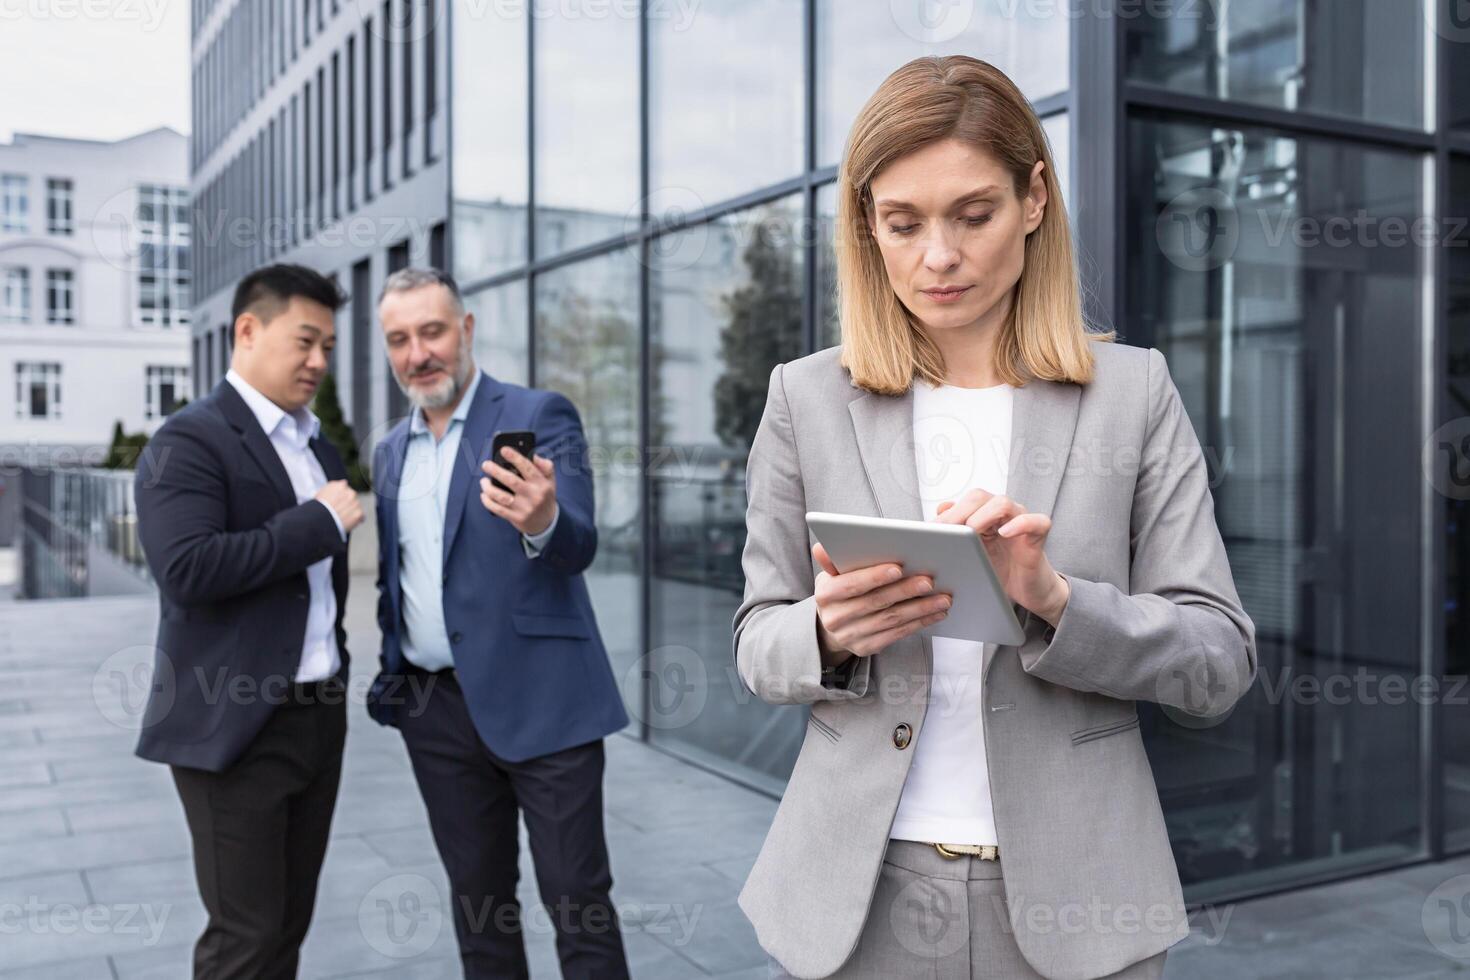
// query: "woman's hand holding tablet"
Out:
[861,611]
[1014,541]
[897,563]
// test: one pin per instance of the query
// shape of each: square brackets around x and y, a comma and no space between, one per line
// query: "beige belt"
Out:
[985,852]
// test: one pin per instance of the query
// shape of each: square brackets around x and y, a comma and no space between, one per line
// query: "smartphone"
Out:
[522,441]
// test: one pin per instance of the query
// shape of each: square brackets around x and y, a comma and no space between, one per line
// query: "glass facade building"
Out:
[641,205]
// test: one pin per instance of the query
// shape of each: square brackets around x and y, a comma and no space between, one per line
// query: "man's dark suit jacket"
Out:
[229,547]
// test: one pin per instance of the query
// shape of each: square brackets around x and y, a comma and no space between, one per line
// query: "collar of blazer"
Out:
[1043,421]
[258,444]
[474,445]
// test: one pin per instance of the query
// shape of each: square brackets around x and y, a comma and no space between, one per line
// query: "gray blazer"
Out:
[1090,880]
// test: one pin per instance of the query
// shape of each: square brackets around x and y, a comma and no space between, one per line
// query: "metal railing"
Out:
[79,534]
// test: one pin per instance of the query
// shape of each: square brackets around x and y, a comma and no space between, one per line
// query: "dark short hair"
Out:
[267,290]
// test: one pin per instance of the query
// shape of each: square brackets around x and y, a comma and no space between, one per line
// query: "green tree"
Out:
[125,449]
[764,329]
[328,408]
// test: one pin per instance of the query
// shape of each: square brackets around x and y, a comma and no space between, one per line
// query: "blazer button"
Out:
[902,735]
[454,638]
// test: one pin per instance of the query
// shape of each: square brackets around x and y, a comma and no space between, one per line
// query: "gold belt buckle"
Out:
[985,852]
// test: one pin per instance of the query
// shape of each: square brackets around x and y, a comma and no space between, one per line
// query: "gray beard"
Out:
[445,393]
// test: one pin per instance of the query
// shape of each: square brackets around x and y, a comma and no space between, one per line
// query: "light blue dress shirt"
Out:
[423,498]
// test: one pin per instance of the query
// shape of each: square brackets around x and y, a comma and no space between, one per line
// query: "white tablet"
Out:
[951,553]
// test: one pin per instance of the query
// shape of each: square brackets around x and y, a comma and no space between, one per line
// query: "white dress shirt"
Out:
[291,434]
[962,439]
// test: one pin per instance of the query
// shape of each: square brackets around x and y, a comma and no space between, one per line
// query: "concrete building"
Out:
[94,290]
[319,138]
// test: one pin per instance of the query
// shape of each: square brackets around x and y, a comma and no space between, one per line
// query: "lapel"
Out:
[257,443]
[325,454]
[474,446]
[386,484]
[1043,421]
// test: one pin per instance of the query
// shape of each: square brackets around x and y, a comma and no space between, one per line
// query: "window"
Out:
[59,305]
[587,177]
[491,172]
[1363,60]
[745,58]
[15,301]
[165,386]
[37,390]
[161,243]
[14,208]
[724,309]
[58,206]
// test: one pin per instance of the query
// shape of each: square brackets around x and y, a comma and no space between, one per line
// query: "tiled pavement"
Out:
[95,878]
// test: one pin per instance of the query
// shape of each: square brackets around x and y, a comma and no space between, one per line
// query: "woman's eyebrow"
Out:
[896,205]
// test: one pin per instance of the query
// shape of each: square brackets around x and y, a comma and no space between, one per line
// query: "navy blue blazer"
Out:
[527,652]
[229,546]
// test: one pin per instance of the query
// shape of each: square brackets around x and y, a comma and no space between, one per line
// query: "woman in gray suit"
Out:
[962,809]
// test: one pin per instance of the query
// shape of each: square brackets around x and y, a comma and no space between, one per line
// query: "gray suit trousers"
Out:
[947,919]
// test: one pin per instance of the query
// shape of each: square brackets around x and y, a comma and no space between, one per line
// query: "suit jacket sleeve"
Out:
[1179,636]
[387,619]
[183,505]
[559,438]
[776,650]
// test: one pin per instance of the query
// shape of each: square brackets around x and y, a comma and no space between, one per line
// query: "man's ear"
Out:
[246,325]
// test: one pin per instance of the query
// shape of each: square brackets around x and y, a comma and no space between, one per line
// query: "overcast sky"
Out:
[96,69]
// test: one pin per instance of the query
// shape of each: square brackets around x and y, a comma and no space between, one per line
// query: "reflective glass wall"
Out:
[642,211]
[643,206]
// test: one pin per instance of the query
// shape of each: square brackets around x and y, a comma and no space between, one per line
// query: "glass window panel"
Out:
[829,330]
[1059,135]
[725,310]
[1279,278]
[1358,58]
[860,44]
[725,101]
[500,331]
[1448,447]
[586,127]
[587,348]
[489,167]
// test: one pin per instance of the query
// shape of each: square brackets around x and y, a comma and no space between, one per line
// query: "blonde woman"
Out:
[959,809]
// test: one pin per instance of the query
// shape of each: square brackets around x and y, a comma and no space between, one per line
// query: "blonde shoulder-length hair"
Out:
[927,100]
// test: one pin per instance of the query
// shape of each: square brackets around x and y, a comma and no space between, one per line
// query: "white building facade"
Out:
[94,291]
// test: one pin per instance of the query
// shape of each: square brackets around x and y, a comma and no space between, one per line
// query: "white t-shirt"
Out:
[962,440]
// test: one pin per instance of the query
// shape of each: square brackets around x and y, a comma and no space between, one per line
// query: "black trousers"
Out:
[260,833]
[472,797]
